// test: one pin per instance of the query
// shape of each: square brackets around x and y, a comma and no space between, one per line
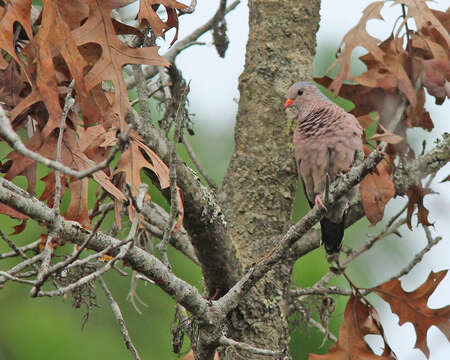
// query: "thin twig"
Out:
[389,229]
[244,346]
[68,103]
[133,296]
[156,221]
[120,320]
[190,9]
[320,291]
[142,92]
[65,264]
[124,248]
[8,276]
[22,265]
[324,331]
[51,236]
[419,256]
[88,278]
[23,249]
[184,43]
[10,136]
[210,181]
[17,250]
[174,206]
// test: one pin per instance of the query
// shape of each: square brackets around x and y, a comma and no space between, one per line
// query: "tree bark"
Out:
[259,187]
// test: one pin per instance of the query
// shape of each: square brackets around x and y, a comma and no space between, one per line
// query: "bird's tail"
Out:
[332,234]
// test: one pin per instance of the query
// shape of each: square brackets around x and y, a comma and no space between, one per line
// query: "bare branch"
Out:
[120,320]
[243,346]
[190,9]
[132,295]
[419,256]
[324,331]
[203,219]
[10,136]
[256,272]
[320,291]
[157,219]
[20,266]
[210,181]
[68,103]
[173,159]
[88,278]
[138,259]
[182,44]
[8,276]
[18,250]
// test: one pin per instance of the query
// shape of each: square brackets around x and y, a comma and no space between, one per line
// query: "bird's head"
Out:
[302,92]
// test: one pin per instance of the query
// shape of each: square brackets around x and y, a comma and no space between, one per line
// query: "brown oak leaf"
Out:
[415,195]
[412,307]
[147,13]
[376,190]
[436,78]
[386,136]
[359,321]
[114,54]
[78,209]
[357,36]
[423,16]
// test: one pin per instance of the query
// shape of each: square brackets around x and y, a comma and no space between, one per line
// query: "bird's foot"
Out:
[319,203]
[343,172]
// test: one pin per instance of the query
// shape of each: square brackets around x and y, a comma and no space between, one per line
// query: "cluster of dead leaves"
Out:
[399,69]
[42,51]
[361,319]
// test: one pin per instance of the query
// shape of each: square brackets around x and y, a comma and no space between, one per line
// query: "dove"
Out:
[326,143]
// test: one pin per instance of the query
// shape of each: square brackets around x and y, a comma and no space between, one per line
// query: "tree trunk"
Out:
[258,189]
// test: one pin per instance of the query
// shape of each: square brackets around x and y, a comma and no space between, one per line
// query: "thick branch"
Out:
[138,259]
[158,218]
[203,220]
[296,232]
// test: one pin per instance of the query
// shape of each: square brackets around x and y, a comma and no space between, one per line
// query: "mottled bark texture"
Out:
[259,186]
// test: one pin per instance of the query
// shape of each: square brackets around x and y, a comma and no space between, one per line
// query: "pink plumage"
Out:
[326,141]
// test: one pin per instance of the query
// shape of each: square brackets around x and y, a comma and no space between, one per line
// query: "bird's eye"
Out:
[300,92]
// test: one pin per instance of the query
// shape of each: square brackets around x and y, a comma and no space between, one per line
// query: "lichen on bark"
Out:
[259,187]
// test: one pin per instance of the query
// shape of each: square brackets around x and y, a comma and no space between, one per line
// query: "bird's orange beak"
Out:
[288,103]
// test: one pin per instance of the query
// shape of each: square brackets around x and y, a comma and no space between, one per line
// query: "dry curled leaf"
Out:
[386,136]
[389,73]
[376,190]
[359,321]
[415,195]
[147,13]
[435,77]
[76,40]
[424,16]
[417,115]
[366,120]
[412,307]
[78,209]
[357,36]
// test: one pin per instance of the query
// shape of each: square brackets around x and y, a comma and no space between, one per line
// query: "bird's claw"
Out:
[319,203]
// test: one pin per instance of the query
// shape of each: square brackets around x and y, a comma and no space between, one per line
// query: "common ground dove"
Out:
[326,142]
